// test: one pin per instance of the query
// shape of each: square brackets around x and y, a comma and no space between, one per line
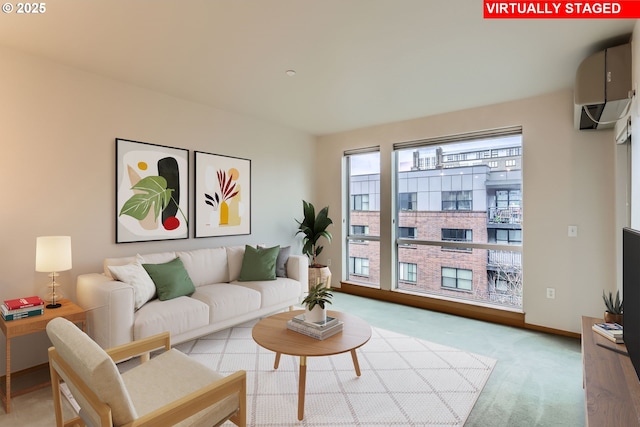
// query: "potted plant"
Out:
[313,227]
[315,303]
[614,308]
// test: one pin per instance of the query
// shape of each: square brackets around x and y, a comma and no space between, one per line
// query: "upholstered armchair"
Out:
[169,389]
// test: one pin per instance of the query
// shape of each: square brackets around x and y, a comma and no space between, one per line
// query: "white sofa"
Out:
[219,300]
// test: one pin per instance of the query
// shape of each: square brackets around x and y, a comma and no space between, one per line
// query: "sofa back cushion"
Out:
[235,255]
[206,266]
[155,258]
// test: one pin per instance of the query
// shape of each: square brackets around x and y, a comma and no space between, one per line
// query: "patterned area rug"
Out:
[405,381]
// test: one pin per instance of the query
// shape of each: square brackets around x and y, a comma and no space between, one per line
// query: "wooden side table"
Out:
[30,325]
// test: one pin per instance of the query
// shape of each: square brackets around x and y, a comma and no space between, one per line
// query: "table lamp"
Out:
[53,254]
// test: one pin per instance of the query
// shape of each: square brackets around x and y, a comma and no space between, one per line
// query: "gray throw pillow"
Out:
[281,261]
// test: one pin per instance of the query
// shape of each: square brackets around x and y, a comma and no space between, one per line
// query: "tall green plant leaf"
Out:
[155,193]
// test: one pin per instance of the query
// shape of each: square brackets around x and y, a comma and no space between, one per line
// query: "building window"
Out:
[359,266]
[408,272]
[493,164]
[408,201]
[407,232]
[457,235]
[511,237]
[360,229]
[360,202]
[508,198]
[457,278]
[456,200]
[510,163]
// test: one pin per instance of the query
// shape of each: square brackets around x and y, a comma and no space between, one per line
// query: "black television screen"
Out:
[631,294]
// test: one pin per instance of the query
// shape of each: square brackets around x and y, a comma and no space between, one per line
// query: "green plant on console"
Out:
[313,228]
[318,295]
[613,306]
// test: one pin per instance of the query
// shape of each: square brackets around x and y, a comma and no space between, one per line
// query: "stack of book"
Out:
[20,308]
[317,330]
[611,331]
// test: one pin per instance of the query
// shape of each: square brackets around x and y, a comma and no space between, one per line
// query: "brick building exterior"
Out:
[454,202]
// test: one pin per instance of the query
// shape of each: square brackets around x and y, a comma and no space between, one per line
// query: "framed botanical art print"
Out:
[222,195]
[152,192]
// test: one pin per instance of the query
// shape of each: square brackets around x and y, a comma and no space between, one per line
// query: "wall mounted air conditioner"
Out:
[603,88]
[622,130]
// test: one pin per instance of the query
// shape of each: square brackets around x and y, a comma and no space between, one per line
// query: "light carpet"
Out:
[405,381]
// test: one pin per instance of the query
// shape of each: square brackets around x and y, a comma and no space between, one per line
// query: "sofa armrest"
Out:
[298,269]
[110,308]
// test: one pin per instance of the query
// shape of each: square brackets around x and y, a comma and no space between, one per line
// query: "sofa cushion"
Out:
[155,258]
[274,292]
[235,255]
[226,301]
[259,264]
[171,279]
[206,266]
[177,315]
[135,275]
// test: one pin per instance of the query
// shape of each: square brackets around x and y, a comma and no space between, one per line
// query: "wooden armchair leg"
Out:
[57,397]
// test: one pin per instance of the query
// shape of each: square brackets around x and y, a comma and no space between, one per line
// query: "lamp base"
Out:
[56,305]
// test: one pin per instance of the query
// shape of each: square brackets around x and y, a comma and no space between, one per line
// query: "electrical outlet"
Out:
[572,231]
[551,293]
[328,262]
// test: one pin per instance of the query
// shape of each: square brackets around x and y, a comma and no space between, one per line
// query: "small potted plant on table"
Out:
[315,303]
[613,313]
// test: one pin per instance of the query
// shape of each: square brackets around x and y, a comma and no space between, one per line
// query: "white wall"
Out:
[568,180]
[57,176]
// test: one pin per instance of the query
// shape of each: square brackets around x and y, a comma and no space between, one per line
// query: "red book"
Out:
[13,304]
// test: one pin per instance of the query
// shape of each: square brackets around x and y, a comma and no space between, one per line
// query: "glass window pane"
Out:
[465,193]
[363,184]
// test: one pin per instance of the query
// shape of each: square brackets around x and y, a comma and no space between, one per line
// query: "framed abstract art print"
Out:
[222,195]
[152,192]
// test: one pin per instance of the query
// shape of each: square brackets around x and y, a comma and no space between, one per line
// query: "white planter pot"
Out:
[318,314]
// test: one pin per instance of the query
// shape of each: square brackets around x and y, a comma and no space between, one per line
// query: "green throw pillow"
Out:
[171,279]
[259,264]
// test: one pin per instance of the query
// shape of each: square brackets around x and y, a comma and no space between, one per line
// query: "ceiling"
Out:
[358,62]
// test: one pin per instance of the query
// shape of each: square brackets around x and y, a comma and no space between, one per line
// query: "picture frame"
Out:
[222,195]
[152,192]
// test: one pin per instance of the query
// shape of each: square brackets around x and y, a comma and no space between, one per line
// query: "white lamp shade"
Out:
[53,253]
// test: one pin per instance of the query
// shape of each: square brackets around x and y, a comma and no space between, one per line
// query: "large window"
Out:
[462,195]
[363,228]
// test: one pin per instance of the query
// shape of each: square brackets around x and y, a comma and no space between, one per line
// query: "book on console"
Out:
[16,316]
[611,337]
[5,310]
[610,329]
[330,321]
[25,302]
[314,332]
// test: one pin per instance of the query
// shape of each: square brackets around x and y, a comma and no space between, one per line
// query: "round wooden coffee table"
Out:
[272,334]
